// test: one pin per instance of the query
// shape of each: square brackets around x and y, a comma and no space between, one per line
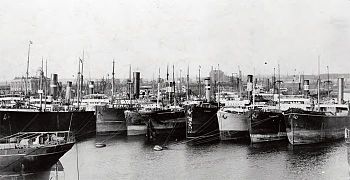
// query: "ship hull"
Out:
[35,159]
[83,124]
[233,126]
[165,125]
[134,123]
[110,120]
[202,125]
[266,126]
[305,128]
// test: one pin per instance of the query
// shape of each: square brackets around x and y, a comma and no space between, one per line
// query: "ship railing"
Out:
[36,139]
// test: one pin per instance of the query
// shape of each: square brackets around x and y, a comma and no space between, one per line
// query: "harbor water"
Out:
[132,158]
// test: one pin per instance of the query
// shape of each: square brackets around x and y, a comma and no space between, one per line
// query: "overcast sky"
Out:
[150,34]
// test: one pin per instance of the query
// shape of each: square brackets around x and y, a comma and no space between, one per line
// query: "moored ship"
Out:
[82,123]
[202,123]
[308,127]
[325,124]
[33,151]
[233,120]
[233,117]
[111,119]
[267,123]
[165,123]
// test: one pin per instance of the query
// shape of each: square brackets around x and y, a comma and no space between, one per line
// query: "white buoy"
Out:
[157,148]
[100,145]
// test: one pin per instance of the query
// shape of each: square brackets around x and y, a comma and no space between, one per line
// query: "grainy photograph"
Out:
[181,89]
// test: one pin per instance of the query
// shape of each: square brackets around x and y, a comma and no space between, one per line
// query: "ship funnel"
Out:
[53,86]
[136,76]
[306,87]
[249,86]
[68,92]
[207,89]
[91,87]
[340,90]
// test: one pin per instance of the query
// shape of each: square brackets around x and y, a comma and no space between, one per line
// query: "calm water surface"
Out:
[131,158]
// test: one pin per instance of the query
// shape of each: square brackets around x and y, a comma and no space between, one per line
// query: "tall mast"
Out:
[180,88]
[41,83]
[240,82]
[188,84]
[218,85]
[168,87]
[174,86]
[26,81]
[78,83]
[113,83]
[158,88]
[45,84]
[130,72]
[328,82]
[82,75]
[318,85]
[199,82]
[279,87]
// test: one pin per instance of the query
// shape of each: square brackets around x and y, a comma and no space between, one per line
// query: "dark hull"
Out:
[134,123]
[309,128]
[31,159]
[83,124]
[265,126]
[110,120]
[202,125]
[165,125]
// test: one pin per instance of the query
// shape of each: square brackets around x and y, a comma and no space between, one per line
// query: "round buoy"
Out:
[157,148]
[100,145]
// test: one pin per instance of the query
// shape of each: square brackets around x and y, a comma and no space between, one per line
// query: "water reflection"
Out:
[55,173]
[133,158]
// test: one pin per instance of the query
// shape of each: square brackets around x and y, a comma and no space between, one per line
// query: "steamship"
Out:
[202,123]
[233,117]
[55,117]
[325,124]
[267,123]
[30,152]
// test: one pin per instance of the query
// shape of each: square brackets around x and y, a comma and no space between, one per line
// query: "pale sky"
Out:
[150,34]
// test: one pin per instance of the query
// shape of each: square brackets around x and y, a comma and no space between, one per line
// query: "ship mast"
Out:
[318,85]
[45,84]
[113,83]
[78,84]
[328,82]
[279,87]
[218,85]
[174,86]
[26,81]
[41,83]
[188,84]
[199,82]
[158,88]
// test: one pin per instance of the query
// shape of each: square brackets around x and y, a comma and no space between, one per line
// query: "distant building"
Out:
[18,85]
[218,75]
[5,89]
